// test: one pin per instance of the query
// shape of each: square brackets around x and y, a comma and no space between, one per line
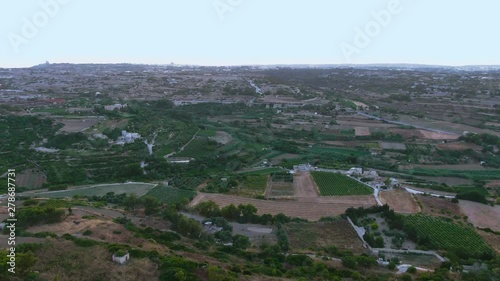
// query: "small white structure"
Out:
[355,172]
[127,137]
[121,260]
[115,106]
[370,174]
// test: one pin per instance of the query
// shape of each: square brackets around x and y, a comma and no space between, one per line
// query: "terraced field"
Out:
[98,190]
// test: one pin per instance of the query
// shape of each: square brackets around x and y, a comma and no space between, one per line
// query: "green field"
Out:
[186,182]
[206,133]
[170,195]
[256,182]
[447,235]
[469,174]
[198,148]
[337,184]
[98,190]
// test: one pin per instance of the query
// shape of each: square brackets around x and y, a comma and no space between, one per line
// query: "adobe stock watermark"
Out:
[363,37]
[31,26]
[222,7]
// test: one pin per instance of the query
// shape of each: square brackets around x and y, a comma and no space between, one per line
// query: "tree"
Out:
[131,202]
[230,212]
[208,209]
[391,265]
[349,262]
[241,241]
[151,204]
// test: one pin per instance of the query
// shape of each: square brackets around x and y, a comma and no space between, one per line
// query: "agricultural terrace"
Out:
[252,186]
[97,190]
[442,234]
[186,182]
[281,185]
[305,236]
[198,148]
[330,184]
[171,196]
[31,179]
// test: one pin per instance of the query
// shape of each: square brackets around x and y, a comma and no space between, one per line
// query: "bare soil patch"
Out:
[407,133]
[306,236]
[480,215]
[31,178]
[436,206]
[362,131]
[392,145]
[77,125]
[492,239]
[307,208]
[438,136]
[457,146]
[400,201]
[304,185]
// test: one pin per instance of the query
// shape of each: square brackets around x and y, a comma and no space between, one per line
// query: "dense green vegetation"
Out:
[170,195]
[337,184]
[437,233]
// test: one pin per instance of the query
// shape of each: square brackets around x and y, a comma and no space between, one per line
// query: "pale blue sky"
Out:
[254,32]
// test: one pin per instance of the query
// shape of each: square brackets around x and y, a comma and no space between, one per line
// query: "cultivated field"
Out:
[307,208]
[400,201]
[170,195]
[98,190]
[77,125]
[337,184]
[362,131]
[306,236]
[480,215]
[280,186]
[392,145]
[446,235]
[304,185]
[438,136]
[31,179]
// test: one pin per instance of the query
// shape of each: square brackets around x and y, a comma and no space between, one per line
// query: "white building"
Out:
[355,172]
[127,137]
[121,260]
[115,106]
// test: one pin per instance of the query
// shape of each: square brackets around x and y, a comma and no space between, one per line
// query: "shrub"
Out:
[411,270]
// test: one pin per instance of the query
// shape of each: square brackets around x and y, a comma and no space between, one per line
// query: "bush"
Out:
[454,200]
[411,270]
[391,266]
[472,196]
[87,232]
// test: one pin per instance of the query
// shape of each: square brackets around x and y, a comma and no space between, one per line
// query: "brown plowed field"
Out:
[457,146]
[308,208]
[304,185]
[438,136]
[480,215]
[436,206]
[400,201]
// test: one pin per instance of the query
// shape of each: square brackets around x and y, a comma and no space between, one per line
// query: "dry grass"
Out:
[481,215]
[308,208]
[400,201]
[305,237]
[63,260]
[436,206]
[492,239]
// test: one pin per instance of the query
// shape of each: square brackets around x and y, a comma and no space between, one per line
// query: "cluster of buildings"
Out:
[127,137]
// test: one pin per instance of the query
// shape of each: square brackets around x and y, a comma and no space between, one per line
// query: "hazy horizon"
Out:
[239,32]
